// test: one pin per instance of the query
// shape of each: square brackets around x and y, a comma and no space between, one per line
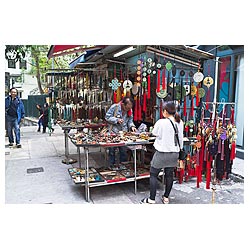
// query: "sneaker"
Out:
[18,145]
[165,200]
[147,201]
[10,144]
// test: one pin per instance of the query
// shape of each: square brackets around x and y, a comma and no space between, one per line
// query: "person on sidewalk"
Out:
[120,118]
[167,151]
[40,110]
[14,114]
[45,117]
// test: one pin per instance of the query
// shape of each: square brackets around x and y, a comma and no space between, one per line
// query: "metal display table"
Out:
[66,129]
[132,145]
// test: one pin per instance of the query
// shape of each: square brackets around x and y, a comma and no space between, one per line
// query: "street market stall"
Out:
[149,75]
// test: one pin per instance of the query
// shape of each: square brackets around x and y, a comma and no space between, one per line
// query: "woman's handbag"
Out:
[182,153]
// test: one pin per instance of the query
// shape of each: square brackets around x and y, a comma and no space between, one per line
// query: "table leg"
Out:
[67,160]
[135,170]
[86,151]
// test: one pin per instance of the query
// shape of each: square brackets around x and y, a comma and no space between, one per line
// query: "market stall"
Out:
[149,75]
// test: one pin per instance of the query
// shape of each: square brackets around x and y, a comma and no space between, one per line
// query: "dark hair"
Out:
[177,117]
[14,88]
[126,100]
[170,107]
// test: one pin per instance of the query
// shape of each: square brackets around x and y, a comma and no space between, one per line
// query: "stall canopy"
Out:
[60,50]
[82,58]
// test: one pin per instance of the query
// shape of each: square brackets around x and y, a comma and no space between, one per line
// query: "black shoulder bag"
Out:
[182,153]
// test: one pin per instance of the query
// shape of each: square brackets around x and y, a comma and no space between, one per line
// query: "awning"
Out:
[82,58]
[60,50]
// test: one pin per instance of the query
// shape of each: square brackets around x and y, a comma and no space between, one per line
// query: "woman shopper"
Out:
[167,151]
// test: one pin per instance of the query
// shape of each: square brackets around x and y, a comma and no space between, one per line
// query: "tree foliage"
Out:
[36,56]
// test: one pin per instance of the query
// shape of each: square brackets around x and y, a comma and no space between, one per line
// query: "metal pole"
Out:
[215,86]
[135,170]
[86,150]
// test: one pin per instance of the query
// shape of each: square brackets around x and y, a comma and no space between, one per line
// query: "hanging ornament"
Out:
[169,66]
[198,77]
[127,84]
[208,81]
[114,84]
[201,92]
[187,89]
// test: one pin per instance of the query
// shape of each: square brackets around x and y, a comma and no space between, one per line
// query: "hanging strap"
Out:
[175,132]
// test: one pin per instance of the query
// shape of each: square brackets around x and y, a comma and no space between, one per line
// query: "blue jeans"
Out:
[13,124]
[39,123]
[122,152]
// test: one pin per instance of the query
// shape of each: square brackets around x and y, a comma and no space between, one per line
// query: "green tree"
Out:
[37,58]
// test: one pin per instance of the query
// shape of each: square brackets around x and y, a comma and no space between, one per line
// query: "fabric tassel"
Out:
[192,107]
[148,87]
[115,96]
[136,111]
[139,110]
[197,96]
[144,102]
[232,116]
[158,81]
[185,107]
[164,79]
[208,175]
[222,150]
[207,98]
[233,151]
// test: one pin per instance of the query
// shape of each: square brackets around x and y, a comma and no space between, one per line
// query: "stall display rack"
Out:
[134,146]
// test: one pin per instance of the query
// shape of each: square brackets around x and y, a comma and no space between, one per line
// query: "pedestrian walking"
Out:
[45,117]
[40,110]
[167,151]
[14,114]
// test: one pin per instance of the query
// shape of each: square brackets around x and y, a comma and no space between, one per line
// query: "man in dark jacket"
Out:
[14,114]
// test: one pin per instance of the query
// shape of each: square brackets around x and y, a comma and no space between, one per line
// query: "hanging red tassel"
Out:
[197,96]
[144,102]
[233,151]
[208,175]
[207,98]
[148,87]
[135,111]
[192,107]
[185,107]
[164,79]
[115,96]
[158,81]
[232,116]
[139,111]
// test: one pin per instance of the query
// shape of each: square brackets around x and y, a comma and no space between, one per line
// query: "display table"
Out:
[67,127]
[134,146]
[87,172]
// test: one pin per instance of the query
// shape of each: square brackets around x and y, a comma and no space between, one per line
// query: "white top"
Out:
[165,136]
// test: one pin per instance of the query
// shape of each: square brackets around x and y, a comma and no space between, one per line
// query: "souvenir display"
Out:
[112,176]
[78,175]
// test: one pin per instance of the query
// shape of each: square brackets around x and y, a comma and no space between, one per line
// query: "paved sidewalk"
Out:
[54,185]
